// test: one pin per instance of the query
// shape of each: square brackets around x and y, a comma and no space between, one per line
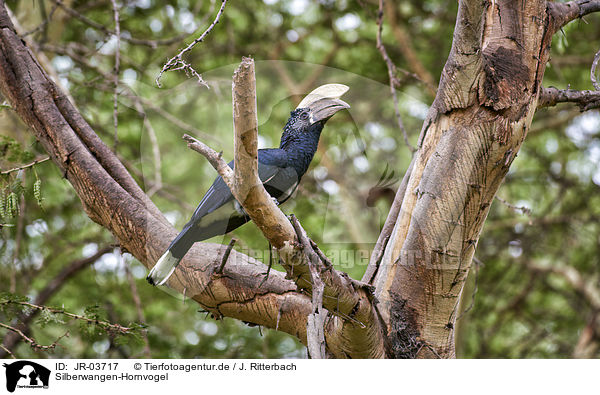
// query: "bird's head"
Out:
[307,120]
[320,104]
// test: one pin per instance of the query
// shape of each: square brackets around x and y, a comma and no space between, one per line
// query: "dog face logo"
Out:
[26,374]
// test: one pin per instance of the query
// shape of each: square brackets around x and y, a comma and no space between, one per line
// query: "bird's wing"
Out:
[277,178]
[217,195]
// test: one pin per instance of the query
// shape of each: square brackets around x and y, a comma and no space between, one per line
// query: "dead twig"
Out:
[35,162]
[35,345]
[524,210]
[115,328]
[6,350]
[214,158]
[177,62]
[584,99]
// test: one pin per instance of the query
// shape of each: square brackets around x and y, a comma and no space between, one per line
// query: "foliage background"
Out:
[517,303]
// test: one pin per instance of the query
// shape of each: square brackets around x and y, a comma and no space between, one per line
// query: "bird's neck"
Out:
[301,146]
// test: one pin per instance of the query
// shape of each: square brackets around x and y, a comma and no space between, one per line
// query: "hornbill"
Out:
[280,170]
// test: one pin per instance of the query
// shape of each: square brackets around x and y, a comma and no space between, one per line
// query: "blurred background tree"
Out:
[535,291]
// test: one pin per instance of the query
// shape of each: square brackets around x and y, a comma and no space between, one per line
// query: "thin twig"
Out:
[6,350]
[35,162]
[214,158]
[584,99]
[391,75]
[116,72]
[226,256]
[430,347]
[177,62]
[110,326]
[269,266]
[524,210]
[35,345]
[320,254]
[388,226]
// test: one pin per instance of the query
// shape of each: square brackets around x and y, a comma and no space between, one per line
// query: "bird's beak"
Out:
[324,102]
[323,109]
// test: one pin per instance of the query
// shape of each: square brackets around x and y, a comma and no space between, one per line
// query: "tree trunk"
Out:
[475,127]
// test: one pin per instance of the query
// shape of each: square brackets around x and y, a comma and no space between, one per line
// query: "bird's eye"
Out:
[304,116]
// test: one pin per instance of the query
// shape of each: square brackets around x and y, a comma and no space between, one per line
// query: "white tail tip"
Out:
[163,269]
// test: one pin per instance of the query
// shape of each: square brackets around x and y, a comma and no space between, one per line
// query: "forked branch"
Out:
[585,100]
[346,298]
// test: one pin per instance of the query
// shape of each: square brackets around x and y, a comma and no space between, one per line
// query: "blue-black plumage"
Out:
[280,170]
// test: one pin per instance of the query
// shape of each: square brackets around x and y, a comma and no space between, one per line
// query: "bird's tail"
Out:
[166,264]
[163,269]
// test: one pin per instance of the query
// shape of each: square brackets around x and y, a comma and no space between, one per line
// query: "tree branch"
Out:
[177,62]
[469,139]
[35,345]
[563,13]
[585,100]
[132,40]
[247,186]
[111,198]
[343,296]
[35,162]
[24,320]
